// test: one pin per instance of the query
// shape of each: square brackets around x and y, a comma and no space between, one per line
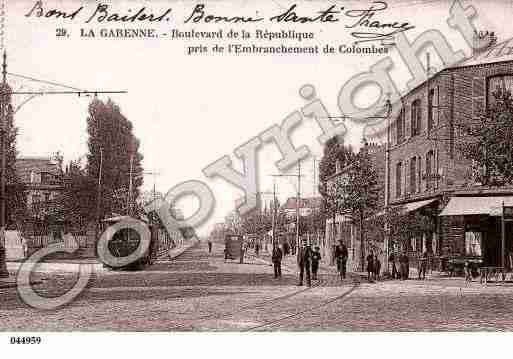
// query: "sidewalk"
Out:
[9,282]
[73,265]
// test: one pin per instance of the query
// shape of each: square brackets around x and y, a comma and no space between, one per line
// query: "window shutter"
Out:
[478,103]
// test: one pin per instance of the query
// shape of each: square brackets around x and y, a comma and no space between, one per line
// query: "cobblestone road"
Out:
[198,291]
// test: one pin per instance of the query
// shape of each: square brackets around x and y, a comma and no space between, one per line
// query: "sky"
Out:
[190,110]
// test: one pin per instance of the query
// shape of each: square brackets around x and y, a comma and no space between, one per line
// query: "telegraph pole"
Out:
[297,204]
[298,198]
[4,273]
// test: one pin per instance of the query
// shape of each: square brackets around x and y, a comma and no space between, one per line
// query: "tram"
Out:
[125,241]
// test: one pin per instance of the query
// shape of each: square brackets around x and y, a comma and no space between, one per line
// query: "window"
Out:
[415,117]
[473,241]
[498,87]
[430,157]
[36,201]
[413,175]
[400,126]
[430,120]
[398,178]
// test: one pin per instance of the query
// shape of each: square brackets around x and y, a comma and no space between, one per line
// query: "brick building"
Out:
[428,174]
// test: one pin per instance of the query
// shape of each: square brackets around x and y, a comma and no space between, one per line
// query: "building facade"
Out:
[427,172]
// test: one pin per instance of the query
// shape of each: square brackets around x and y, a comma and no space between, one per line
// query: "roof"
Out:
[26,165]
[500,52]
[312,202]
[464,206]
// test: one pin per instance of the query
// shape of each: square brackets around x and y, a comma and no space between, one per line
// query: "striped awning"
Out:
[464,206]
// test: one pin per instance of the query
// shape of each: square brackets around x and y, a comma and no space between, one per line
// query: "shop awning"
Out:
[463,206]
[413,206]
[408,207]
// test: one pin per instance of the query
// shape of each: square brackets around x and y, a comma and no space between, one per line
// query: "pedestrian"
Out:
[304,261]
[276,259]
[423,265]
[242,252]
[341,255]
[336,254]
[370,267]
[404,265]
[376,265]
[316,258]
[391,260]
[257,248]
[468,272]
[225,254]
[209,246]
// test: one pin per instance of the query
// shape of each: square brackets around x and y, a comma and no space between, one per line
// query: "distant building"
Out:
[43,180]
[306,206]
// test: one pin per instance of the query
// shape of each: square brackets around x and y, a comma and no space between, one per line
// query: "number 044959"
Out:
[25,340]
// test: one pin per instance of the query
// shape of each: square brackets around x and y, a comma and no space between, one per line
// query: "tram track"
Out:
[302,312]
[192,322]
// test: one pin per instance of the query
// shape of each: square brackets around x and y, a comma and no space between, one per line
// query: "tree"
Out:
[402,226]
[489,141]
[113,144]
[332,195]
[361,193]
[74,202]
[15,204]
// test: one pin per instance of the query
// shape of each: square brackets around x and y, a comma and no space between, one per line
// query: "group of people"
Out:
[307,260]
[403,272]
[373,267]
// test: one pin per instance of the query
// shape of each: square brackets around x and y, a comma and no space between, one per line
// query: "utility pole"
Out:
[154,174]
[297,204]
[4,273]
[99,195]
[298,198]
[274,213]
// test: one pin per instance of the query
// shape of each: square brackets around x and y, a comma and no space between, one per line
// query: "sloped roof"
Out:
[312,202]
[26,165]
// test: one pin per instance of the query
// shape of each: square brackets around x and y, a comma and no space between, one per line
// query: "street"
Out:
[200,292]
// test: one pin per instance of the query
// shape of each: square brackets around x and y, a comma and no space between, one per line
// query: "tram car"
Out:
[125,241]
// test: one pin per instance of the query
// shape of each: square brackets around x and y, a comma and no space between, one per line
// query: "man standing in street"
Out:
[316,258]
[209,246]
[304,261]
[276,258]
[423,266]
[341,255]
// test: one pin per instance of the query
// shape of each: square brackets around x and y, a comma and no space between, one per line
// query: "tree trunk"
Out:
[362,245]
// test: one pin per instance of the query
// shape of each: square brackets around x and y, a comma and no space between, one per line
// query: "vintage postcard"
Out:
[255,166]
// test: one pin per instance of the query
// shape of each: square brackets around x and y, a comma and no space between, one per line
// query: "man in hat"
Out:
[316,258]
[276,259]
[304,260]
[341,255]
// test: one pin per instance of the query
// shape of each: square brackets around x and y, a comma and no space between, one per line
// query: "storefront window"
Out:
[473,243]
[498,87]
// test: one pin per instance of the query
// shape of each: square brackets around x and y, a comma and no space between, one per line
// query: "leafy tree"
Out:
[74,202]
[332,195]
[15,204]
[113,144]
[361,193]
[489,141]
[402,226]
